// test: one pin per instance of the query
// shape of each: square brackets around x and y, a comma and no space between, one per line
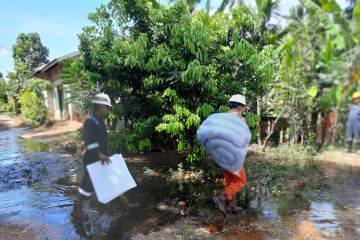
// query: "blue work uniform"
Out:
[353,125]
[96,140]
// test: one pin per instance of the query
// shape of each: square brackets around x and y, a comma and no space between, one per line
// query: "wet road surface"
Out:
[38,187]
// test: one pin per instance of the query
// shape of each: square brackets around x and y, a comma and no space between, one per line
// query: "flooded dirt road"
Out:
[29,196]
[38,187]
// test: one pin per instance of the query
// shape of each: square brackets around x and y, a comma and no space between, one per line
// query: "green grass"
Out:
[276,168]
[13,115]
[72,136]
[6,113]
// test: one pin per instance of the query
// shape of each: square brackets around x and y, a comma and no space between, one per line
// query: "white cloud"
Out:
[3,51]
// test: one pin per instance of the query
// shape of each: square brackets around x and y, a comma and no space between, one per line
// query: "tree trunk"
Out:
[114,123]
[258,112]
[16,109]
[319,130]
[334,125]
[294,137]
[302,139]
[281,140]
[208,4]
[272,128]
[309,126]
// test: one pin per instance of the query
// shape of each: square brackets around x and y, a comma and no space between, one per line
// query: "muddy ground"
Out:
[8,122]
[38,186]
[53,133]
[340,158]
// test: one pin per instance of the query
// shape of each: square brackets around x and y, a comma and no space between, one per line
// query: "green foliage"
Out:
[32,108]
[330,98]
[278,167]
[36,85]
[294,88]
[116,143]
[79,84]
[3,88]
[32,101]
[15,84]
[252,120]
[5,106]
[172,65]
[29,53]
[168,69]
[75,136]
[141,136]
[312,65]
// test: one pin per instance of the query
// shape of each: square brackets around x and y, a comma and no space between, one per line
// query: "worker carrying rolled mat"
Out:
[226,137]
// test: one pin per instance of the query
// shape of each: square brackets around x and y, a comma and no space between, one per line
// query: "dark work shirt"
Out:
[96,139]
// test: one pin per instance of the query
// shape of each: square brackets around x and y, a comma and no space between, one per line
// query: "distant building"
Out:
[55,97]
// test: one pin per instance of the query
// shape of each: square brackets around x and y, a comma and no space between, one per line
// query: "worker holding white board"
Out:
[96,148]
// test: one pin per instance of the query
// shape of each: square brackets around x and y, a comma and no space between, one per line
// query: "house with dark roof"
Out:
[55,97]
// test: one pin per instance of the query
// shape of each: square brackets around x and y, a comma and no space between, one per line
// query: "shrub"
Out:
[33,108]
[5,106]
[171,69]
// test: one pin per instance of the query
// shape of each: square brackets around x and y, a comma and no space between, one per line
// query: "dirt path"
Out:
[300,214]
[340,158]
[47,134]
[8,122]
[52,134]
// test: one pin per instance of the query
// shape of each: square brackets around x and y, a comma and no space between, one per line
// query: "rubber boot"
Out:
[358,147]
[231,207]
[221,202]
[349,146]
[77,212]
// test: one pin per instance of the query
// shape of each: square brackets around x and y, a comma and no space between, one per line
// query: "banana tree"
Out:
[349,30]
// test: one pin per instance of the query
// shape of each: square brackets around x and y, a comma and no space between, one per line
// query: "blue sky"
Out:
[58,23]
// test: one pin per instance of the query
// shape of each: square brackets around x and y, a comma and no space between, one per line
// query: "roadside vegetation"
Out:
[168,67]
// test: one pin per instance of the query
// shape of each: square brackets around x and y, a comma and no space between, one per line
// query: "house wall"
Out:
[52,97]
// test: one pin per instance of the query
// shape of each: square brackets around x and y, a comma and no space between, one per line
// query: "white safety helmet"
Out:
[102,99]
[238,99]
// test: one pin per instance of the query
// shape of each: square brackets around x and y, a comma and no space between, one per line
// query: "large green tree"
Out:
[29,52]
[170,69]
[3,87]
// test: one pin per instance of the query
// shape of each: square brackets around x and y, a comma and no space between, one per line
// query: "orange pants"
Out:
[234,183]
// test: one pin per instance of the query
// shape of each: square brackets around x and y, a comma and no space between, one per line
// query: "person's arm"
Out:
[91,142]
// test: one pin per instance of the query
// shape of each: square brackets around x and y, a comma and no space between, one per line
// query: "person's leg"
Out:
[227,179]
[85,192]
[349,136]
[86,188]
[357,136]
[221,199]
[238,182]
